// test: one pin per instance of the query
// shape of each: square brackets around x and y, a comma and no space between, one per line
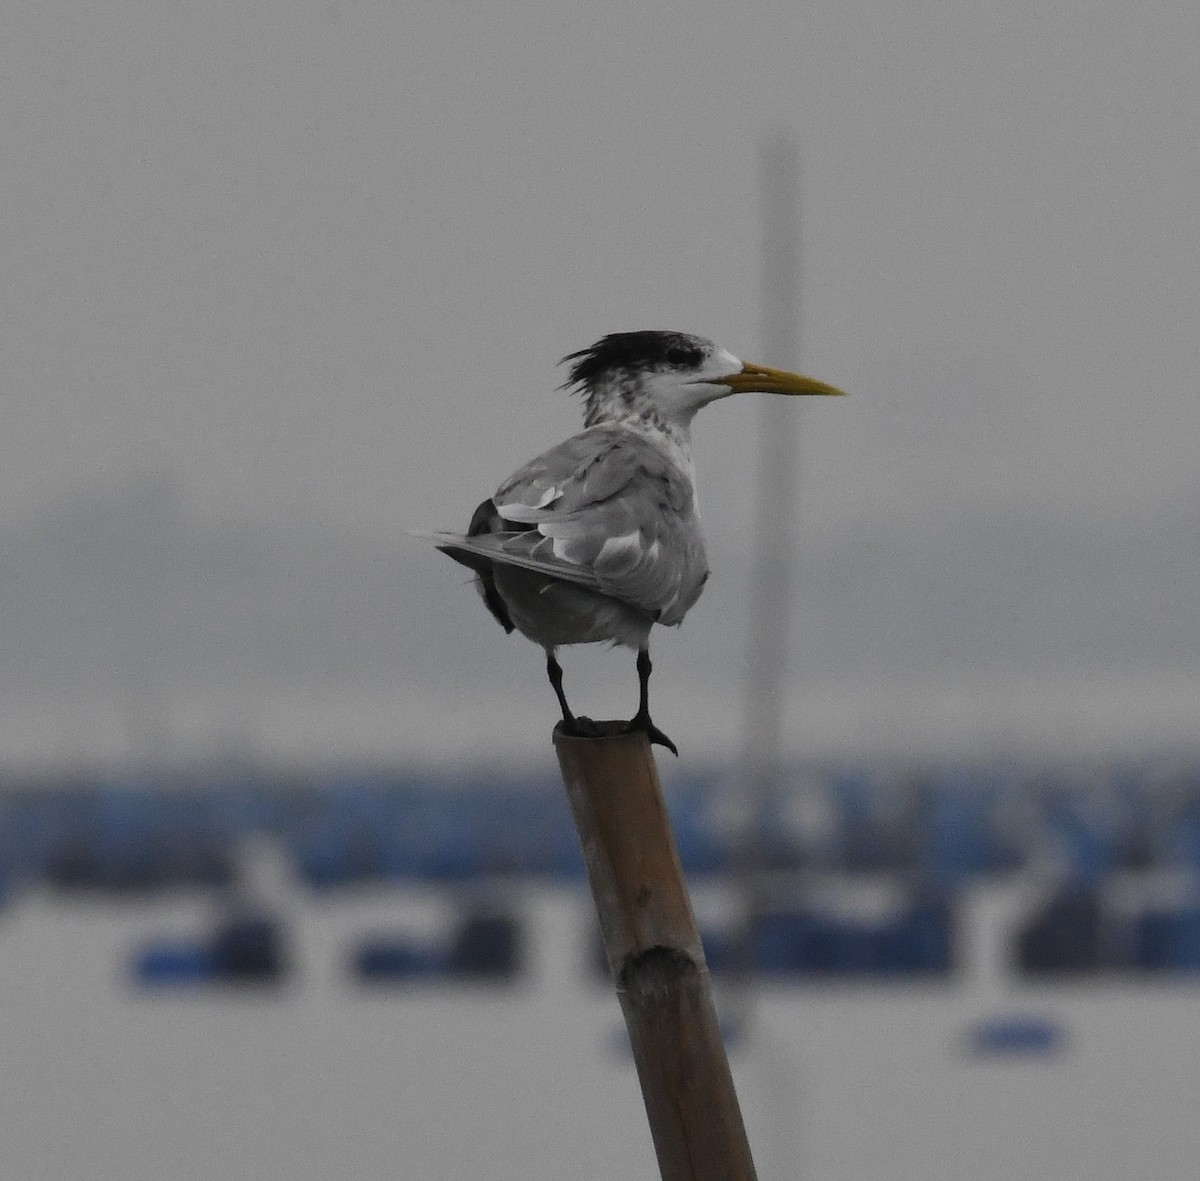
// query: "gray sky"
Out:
[316,261]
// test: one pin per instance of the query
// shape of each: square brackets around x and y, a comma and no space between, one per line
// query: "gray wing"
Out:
[607,510]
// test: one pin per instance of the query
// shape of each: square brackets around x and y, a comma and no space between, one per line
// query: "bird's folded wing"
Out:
[609,510]
[509,549]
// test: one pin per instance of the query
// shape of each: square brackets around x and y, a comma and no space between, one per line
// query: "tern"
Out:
[598,539]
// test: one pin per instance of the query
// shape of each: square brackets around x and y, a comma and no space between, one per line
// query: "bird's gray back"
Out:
[611,509]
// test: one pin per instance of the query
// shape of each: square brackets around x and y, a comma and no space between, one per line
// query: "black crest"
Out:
[629,352]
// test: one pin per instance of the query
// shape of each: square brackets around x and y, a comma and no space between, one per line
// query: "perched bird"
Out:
[598,538]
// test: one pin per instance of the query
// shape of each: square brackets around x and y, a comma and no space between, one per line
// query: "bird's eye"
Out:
[678,356]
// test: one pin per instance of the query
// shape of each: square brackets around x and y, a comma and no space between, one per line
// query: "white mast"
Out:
[771,559]
[767,649]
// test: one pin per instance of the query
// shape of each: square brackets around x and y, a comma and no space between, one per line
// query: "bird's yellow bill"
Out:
[760,379]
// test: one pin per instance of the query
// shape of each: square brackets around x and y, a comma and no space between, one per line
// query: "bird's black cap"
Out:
[633,351]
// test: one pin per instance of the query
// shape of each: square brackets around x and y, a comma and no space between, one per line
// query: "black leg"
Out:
[554,672]
[641,720]
[579,727]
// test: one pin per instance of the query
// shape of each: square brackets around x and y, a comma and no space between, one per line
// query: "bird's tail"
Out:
[482,552]
[460,548]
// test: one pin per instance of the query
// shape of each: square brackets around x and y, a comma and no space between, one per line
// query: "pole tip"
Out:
[614,732]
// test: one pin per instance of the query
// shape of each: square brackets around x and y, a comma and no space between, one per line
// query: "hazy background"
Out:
[281,281]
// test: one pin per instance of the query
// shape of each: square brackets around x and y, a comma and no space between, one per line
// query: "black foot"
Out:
[578,727]
[652,732]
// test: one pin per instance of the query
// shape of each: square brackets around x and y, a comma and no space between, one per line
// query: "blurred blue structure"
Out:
[175,963]
[917,941]
[958,829]
[485,946]
[379,829]
[1066,936]
[396,960]
[1016,1035]
[115,837]
[1168,941]
[246,948]
[931,831]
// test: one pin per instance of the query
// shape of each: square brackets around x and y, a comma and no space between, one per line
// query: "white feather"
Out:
[528,514]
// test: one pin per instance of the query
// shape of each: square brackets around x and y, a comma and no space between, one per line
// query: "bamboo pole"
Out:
[654,952]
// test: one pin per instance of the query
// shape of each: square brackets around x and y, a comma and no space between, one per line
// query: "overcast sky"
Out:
[316,261]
